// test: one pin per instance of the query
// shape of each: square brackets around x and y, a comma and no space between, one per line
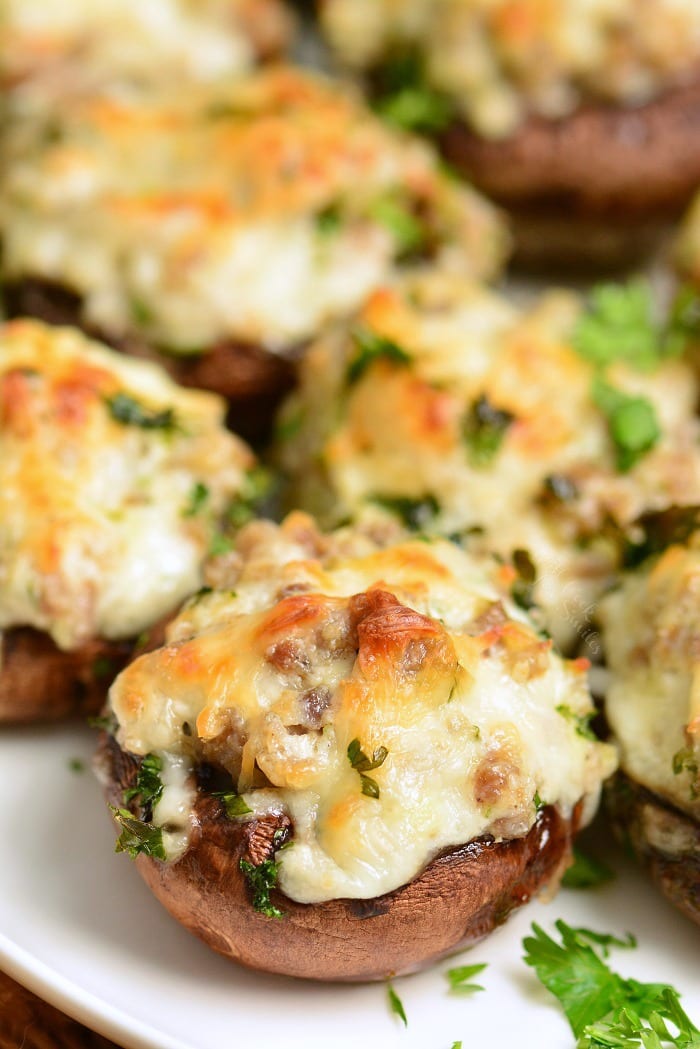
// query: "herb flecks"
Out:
[605,1010]
[406,99]
[581,722]
[484,430]
[137,836]
[632,423]
[197,500]
[128,411]
[655,531]
[148,787]
[369,348]
[586,872]
[523,589]
[255,488]
[415,514]
[396,1005]
[460,978]
[234,804]
[363,764]
[403,225]
[261,879]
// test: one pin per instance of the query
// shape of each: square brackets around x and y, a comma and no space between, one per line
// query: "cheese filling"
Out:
[112,482]
[389,699]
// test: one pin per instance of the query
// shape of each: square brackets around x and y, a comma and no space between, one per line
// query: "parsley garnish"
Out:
[537,802]
[255,487]
[661,529]
[233,803]
[401,223]
[586,872]
[126,410]
[460,978]
[362,764]
[523,589]
[148,787]
[76,765]
[415,513]
[106,722]
[604,1010]
[103,668]
[197,500]
[328,221]
[138,837]
[632,422]
[261,879]
[396,1005]
[456,1045]
[220,544]
[141,312]
[581,722]
[370,347]
[483,430]
[686,760]
[407,101]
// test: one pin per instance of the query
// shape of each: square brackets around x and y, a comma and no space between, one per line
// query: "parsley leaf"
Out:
[137,836]
[261,879]
[407,101]
[197,500]
[416,514]
[586,872]
[686,760]
[659,530]
[632,422]
[523,589]
[148,787]
[400,222]
[255,488]
[362,764]
[126,410]
[370,347]
[483,430]
[619,325]
[581,722]
[459,978]
[604,1009]
[396,1005]
[234,804]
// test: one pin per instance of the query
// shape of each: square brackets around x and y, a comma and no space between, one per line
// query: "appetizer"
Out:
[580,117]
[353,739]
[543,430]
[652,640]
[112,485]
[224,225]
[59,44]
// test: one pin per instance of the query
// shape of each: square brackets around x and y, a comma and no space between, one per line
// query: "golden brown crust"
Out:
[253,380]
[458,899]
[602,159]
[663,839]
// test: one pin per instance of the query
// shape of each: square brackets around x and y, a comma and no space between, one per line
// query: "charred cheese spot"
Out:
[653,702]
[499,60]
[376,447]
[95,540]
[382,731]
[153,209]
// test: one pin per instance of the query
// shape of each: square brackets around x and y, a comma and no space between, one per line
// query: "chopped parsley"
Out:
[255,488]
[660,529]
[362,764]
[456,1045]
[523,589]
[370,347]
[148,786]
[126,410]
[289,423]
[581,722]
[460,978]
[141,312]
[586,872]
[76,765]
[537,802]
[329,220]
[197,500]
[605,1010]
[416,514]
[396,1005]
[401,223]
[138,837]
[261,878]
[220,544]
[632,422]
[484,430]
[686,760]
[106,722]
[103,668]
[407,101]
[233,803]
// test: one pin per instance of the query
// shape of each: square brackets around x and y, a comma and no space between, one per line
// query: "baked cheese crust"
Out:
[500,60]
[652,640]
[313,647]
[112,482]
[396,414]
[255,211]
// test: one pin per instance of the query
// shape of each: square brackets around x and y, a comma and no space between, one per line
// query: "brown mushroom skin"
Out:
[251,378]
[459,898]
[618,175]
[665,841]
[41,682]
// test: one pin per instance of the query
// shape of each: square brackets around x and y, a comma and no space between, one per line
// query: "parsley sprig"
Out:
[137,837]
[605,1010]
[460,978]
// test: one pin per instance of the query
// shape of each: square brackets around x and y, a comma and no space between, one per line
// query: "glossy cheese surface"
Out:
[66,43]
[310,645]
[399,434]
[258,210]
[502,59]
[112,479]
[652,641]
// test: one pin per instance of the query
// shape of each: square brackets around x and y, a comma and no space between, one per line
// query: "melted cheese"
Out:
[87,42]
[399,433]
[652,640]
[502,59]
[254,211]
[315,641]
[95,534]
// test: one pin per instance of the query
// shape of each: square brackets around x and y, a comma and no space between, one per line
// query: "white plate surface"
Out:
[79,928]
